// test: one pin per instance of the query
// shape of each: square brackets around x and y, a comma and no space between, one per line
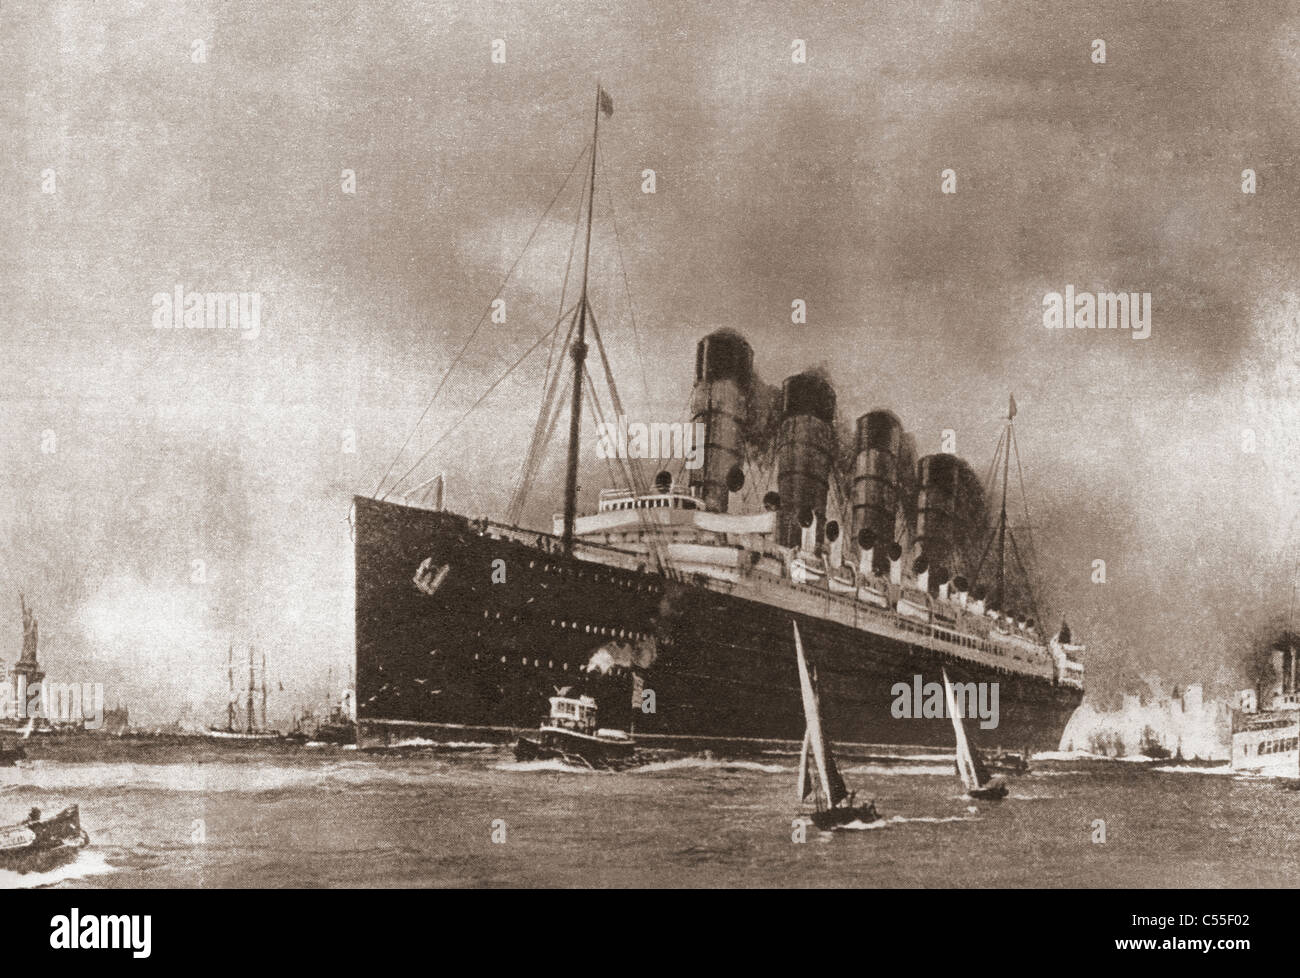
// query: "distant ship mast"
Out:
[1008,434]
[1006,445]
[263,690]
[230,700]
[250,689]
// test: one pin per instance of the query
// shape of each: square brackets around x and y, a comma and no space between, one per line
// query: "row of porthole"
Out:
[607,631]
[537,663]
[595,576]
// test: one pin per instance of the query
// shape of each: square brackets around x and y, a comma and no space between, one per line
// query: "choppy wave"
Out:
[87,863]
[550,764]
[208,778]
[1083,755]
[1218,769]
[1068,755]
[442,744]
[888,770]
[710,764]
[1194,769]
[884,823]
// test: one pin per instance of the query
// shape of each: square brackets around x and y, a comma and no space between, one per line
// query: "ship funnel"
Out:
[950,513]
[806,448]
[895,564]
[881,452]
[724,370]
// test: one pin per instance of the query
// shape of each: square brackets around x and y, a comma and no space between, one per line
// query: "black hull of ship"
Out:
[479,654]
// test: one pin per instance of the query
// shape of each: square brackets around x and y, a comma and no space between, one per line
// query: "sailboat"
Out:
[970,765]
[833,801]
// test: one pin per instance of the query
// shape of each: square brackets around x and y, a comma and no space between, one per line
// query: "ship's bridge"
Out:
[670,510]
[695,540]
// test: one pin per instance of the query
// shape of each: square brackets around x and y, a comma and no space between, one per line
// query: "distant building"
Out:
[116,720]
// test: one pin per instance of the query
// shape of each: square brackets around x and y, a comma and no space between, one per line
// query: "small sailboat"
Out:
[834,802]
[974,775]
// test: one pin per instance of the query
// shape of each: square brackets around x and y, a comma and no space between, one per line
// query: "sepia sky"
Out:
[129,452]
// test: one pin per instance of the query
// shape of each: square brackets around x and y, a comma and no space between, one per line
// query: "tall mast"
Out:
[1002,521]
[250,689]
[230,699]
[263,690]
[579,354]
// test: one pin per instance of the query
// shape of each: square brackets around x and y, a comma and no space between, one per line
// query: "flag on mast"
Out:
[606,103]
[1011,411]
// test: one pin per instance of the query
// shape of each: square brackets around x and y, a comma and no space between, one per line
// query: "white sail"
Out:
[965,765]
[805,783]
[812,714]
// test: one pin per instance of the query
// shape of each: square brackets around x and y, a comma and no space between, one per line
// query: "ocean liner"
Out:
[671,604]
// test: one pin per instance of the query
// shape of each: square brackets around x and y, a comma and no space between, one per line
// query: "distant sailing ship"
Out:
[250,731]
[892,565]
[340,723]
[979,781]
[834,802]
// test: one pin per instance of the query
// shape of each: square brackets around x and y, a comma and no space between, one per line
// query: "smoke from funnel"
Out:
[625,654]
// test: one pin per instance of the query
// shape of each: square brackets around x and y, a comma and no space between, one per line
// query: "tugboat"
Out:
[570,734]
[9,756]
[834,802]
[36,844]
[974,775]
[339,726]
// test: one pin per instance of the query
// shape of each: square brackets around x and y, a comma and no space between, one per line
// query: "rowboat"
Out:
[37,844]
